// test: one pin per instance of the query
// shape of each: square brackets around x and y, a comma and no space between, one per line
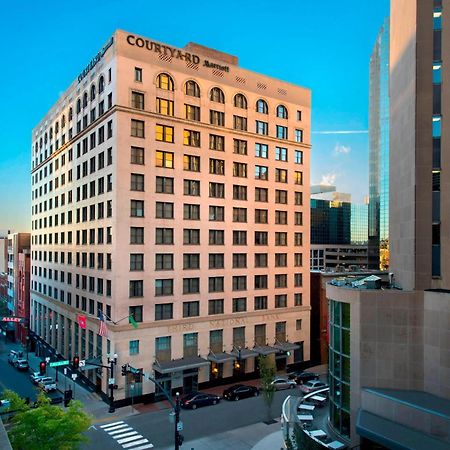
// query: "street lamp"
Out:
[112,361]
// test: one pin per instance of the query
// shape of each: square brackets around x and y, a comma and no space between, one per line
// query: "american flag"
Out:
[102,329]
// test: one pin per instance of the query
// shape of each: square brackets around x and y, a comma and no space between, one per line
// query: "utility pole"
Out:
[177,419]
[112,362]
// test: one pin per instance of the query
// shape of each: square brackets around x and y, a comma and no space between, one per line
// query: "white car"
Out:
[47,384]
[36,377]
[283,383]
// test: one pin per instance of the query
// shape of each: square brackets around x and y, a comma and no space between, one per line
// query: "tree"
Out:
[17,403]
[267,372]
[48,427]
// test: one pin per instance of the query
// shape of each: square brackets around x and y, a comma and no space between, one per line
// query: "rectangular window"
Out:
[136,235]
[137,128]
[298,299]
[239,214]
[262,127]
[261,194]
[281,175]
[216,213]
[136,312]
[261,237]
[164,210]
[217,166]
[191,212]
[215,284]
[136,288]
[261,173]
[298,239]
[217,190]
[281,280]
[215,306]
[239,147]
[191,285]
[298,279]
[298,199]
[281,217]
[281,301]
[239,260]
[163,350]
[216,260]
[240,283]
[240,123]
[239,170]
[298,218]
[261,216]
[191,236]
[216,237]
[217,118]
[239,237]
[191,187]
[298,177]
[164,133]
[260,302]
[137,100]
[261,150]
[298,157]
[191,309]
[134,347]
[281,196]
[281,154]
[239,304]
[298,259]
[280,238]
[192,112]
[163,287]
[137,155]
[164,159]
[239,192]
[280,259]
[164,236]
[191,163]
[191,138]
[282,132]
[261,259]
[191,261]
[137,208]
[137,182]
[164,106]
[163,311]
[260,281]
[164,185]
[298,135]
[216,142]
[138,74]
[163,261]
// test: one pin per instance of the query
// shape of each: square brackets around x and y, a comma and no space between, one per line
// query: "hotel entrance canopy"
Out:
[178,365]
[221,357]
[265,350]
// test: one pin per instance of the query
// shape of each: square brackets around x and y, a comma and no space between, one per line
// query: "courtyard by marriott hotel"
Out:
[170,192]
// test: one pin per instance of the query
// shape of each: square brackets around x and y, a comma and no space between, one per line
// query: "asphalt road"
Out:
[205,421]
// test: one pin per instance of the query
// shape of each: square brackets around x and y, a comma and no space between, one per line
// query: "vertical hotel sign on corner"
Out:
[94,61]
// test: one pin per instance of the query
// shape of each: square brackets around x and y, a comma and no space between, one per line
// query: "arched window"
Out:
[56,127]
[164,81]
[70,114]
[217,95]
[101,84]
[192,88]
[85,100]
[240,101]
[261,107]
[78,106]
[93,92]
[282,112]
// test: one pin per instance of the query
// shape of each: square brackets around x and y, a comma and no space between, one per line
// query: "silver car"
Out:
[283,383]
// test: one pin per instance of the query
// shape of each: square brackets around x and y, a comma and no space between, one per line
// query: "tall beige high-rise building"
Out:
[171,186]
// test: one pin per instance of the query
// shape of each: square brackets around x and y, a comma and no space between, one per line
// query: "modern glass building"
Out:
[379,151]
[330,222]
[358,224]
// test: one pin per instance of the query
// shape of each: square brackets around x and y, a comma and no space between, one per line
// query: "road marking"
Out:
[116,427]
[129,439]
[143,447]
[111,424]
[122,430]
[143,441]
[120,436]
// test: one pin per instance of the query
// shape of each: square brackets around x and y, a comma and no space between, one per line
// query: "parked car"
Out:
[300,376]
[54,397]
[196,399]
[36,377]
[239,391]
[21,364]
[283,383]
[14,355]
[47,384]
[311,386]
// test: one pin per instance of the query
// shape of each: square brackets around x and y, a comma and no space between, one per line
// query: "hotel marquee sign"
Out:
[172,52]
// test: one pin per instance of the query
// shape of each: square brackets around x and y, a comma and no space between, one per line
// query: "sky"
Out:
[45,44]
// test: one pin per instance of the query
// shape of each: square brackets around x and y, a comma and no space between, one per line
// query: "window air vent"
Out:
[192,66]
[240,80]
[282,91]
[261,86]
[165,57]
[217,73]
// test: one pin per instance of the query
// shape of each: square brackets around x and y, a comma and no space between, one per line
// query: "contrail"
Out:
[342,132]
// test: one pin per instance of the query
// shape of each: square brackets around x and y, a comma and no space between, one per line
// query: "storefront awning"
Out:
[221,357]
[244,353]
[265,350]
[286,346]
[178,365]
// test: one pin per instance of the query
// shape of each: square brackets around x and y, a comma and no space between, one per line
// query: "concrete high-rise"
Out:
[171,187]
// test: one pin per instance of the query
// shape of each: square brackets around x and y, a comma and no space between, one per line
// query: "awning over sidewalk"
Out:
[286,346]
[221,357]
[265,350]
[178,365]
[244,353]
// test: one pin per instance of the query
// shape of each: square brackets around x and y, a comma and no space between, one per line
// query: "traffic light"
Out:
[67,397]
[137,376]
[124,370]
[42,368]
[180,439]
[76,362]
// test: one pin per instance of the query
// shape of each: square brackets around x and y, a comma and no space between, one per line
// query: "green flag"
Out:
[132,321]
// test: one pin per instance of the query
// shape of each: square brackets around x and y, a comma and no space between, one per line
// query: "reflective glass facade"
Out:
[359,224]
[330,222]
[339,366]
[379,151]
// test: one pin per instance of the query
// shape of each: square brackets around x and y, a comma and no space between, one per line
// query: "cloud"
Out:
[328,179]
[341,132]
[342,149]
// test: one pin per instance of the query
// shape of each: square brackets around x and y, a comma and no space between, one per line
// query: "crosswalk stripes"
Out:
[126,436]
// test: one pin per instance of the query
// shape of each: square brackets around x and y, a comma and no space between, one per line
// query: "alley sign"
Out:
[59,363]
[13,319]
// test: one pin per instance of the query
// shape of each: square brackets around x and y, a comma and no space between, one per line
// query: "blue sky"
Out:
[45,44]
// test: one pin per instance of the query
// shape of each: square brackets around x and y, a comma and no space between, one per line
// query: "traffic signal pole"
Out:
[177,420]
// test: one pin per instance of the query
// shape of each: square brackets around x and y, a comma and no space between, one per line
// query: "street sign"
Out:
[59,363]
[47,359]
[74,376]
[111,381]
[180,426]
[65,370]
[82,362]
[13,319]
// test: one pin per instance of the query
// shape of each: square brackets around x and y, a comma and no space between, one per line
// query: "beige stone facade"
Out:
[173,185]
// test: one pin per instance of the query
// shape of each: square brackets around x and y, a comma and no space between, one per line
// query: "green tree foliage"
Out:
[17,403]
[267,372]
[48,427]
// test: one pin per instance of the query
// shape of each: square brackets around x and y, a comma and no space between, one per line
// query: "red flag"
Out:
[82,321]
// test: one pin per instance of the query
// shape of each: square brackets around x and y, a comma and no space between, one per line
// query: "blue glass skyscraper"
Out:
[379,152]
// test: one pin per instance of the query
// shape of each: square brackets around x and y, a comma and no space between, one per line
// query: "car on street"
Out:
[239,391]
[195,400]
[54,397]
[47,384]
[301,376]
[21,364]
[283,383]
[14,355]
[312,386]
[36,377]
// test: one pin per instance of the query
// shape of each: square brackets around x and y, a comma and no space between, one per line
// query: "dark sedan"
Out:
[195,400]
[239,391]
[301,377]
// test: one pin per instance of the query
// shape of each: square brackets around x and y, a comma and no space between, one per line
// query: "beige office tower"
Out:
[171,192]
